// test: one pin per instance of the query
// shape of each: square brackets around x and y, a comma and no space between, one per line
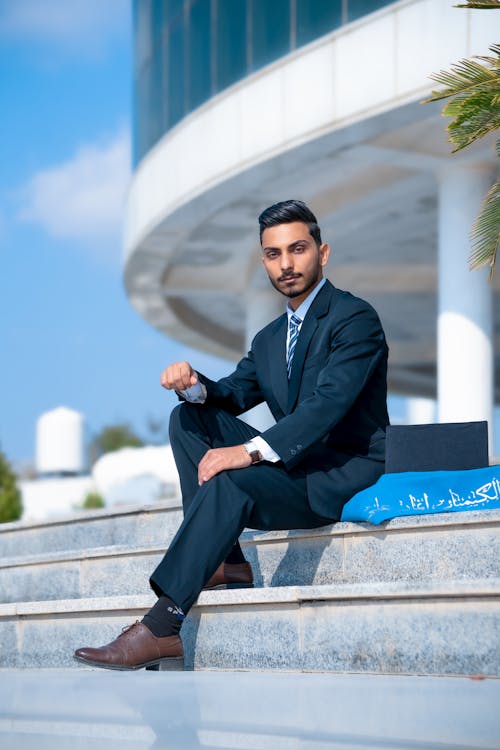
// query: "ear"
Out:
[324,253]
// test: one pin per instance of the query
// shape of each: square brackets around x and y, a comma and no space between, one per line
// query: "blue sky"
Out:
[68,334]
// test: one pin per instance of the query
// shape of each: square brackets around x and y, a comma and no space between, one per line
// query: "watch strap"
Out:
[254,453]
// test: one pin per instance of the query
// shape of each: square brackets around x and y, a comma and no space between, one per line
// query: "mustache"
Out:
[287,276]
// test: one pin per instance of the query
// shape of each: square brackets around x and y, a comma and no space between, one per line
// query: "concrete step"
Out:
[131,525]
[453,546]
[433,628]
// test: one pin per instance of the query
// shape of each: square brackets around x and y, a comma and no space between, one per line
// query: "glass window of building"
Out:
[175,72]
[188,50]
[199,57]
[143,43]
[270,25]
[157,18]
[157,95]
[171,9]
[316,18]
[145,127]
[358,8]
[230,41]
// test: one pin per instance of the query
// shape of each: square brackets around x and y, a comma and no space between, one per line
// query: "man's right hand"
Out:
[178,377]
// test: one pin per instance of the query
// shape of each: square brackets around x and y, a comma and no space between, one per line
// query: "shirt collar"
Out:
[302,309]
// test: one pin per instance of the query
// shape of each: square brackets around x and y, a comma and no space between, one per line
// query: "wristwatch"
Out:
[254,454]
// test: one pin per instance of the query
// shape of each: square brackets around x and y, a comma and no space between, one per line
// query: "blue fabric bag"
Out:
[415,493]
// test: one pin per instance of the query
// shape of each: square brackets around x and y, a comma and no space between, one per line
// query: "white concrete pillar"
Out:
[420,410]
[262,306]
[464,338]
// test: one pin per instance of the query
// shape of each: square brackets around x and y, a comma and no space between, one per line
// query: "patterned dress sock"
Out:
[164,618]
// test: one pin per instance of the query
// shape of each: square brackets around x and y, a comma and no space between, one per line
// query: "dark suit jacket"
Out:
[332,415]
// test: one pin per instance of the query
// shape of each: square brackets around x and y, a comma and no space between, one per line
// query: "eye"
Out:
[299,249]
[271,255]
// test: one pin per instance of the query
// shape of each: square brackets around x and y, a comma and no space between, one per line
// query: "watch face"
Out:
[255,455]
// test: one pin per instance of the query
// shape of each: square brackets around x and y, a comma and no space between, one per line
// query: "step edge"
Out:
[400,524]
[464,518]
[78,555]
[266,596]
[161,506]
[248,538]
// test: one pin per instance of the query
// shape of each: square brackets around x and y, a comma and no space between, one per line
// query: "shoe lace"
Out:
[129,627]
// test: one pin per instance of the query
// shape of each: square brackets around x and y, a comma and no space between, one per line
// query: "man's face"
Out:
[292,259]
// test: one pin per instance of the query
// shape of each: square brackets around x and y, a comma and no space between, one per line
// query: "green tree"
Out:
[474,91]
[93,500]
[10,498]
[112,438]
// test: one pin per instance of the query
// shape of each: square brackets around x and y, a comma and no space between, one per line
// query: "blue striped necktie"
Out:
[292,341]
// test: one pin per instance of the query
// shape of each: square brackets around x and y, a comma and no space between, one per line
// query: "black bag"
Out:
[451,446]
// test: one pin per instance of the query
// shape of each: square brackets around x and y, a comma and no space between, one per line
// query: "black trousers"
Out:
[264,496]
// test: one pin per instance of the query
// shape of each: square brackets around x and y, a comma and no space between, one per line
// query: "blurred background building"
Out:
[63,478]
[241,103]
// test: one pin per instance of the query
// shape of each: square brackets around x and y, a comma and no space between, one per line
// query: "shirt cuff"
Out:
[195,394]
[268,454]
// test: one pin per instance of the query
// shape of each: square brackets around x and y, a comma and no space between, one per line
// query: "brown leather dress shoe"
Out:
[136,647]
[231,576]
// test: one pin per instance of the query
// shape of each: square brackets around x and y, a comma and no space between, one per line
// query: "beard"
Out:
[303,283]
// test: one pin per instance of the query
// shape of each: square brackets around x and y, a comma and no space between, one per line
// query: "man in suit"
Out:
[321,367]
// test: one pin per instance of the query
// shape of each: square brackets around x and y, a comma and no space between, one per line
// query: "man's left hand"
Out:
[220,459]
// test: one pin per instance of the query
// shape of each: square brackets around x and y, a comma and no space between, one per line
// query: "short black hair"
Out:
[285,213]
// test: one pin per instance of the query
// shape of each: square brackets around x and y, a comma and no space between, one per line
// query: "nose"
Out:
[286,261]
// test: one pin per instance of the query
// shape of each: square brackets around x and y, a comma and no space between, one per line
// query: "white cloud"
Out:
[82,198]
[88,23]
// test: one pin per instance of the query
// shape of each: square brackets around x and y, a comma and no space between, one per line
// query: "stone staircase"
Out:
[416,595]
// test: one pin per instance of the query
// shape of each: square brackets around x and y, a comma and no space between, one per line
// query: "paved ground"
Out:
[83,708]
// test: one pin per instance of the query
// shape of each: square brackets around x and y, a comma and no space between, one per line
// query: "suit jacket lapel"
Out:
[277,358]
[318,309]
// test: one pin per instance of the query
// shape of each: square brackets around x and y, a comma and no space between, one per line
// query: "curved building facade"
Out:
[186,51]
[241,103]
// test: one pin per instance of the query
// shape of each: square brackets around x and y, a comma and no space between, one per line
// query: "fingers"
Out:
[178,377]
[220,459]
[207,468]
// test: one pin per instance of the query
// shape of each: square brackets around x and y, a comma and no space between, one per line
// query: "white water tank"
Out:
[60,442]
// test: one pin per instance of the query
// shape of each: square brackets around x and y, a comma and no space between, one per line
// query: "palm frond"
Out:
[473,116]
[466,75]
[493,61]
[485,233]
[475,106]
[480,4]
[474,92]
